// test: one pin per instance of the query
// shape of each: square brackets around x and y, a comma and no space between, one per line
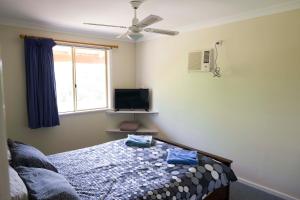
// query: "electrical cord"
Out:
[217,70]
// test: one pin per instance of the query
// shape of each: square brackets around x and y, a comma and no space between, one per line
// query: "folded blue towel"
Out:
[139,140]
[179,156]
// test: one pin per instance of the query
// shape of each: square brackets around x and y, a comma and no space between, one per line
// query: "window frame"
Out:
[74,80]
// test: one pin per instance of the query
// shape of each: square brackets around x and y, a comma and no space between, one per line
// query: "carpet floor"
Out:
[240,191]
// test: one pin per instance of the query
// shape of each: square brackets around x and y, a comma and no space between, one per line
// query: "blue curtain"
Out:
[40,80]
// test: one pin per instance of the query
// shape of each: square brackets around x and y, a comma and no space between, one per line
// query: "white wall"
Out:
[75,131]
[251,114]
[4,187]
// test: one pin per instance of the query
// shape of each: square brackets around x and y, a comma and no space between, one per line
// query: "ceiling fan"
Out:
[134,31]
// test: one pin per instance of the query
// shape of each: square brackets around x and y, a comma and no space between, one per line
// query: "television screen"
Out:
[132,99]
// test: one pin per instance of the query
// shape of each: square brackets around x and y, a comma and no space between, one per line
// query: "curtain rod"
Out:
[73,42]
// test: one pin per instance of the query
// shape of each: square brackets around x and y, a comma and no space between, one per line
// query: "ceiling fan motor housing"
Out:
[135,29]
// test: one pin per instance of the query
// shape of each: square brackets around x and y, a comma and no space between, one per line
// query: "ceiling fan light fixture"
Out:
[134,36]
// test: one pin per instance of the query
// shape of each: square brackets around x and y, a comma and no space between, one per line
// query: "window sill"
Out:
[84,112]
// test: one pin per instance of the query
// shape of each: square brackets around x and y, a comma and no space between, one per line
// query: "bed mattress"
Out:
[114,171]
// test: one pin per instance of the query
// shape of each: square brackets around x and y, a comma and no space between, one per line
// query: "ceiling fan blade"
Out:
[161,31]
[123,35]
[151,19]
[106,25]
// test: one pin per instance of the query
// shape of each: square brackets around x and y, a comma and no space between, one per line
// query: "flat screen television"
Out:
[128,99]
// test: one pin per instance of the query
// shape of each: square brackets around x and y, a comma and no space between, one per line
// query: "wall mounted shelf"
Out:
[141,130]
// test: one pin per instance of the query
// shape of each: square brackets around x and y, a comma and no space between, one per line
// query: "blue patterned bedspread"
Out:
[113,171]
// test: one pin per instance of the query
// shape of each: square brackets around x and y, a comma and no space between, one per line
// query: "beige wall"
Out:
[75,131]
[251,114]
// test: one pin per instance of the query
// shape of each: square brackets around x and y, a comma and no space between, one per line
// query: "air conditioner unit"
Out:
[201,61]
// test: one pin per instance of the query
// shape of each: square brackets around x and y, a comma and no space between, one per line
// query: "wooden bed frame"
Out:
[219,194]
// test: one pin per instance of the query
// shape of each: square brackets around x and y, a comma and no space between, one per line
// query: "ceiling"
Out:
[68,15]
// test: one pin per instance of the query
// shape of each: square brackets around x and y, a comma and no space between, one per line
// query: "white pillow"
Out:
[18,190]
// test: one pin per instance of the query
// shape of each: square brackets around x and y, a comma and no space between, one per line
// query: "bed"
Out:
[114,171]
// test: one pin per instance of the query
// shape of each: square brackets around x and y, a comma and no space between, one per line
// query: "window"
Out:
[81,78]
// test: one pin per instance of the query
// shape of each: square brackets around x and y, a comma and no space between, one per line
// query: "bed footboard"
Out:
[219,194]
